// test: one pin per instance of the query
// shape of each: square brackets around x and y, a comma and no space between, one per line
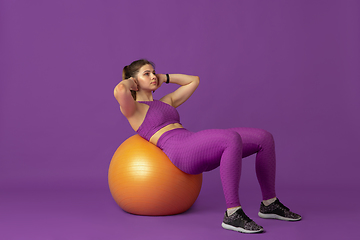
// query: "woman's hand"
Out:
[128,84]
[131,83]
[161,79]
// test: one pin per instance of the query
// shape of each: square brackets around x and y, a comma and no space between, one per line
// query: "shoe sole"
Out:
[275,216]
[239,229]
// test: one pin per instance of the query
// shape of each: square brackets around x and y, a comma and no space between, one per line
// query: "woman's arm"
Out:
[123,95]
[188,85]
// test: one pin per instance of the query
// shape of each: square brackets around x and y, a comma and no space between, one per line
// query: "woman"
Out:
[158,122]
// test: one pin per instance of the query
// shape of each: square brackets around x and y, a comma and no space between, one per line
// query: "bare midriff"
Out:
[154,139]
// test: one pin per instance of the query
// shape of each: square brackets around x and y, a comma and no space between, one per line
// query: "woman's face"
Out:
[146,78]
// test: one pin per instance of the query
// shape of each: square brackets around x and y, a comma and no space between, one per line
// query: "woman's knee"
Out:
[233,137]
[265,136]
[214,138]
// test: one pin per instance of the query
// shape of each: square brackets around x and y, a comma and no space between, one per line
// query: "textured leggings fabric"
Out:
[206,150]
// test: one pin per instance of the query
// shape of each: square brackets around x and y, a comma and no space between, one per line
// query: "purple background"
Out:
[290,67]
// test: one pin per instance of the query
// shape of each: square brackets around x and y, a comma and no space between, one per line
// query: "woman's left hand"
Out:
[161,79]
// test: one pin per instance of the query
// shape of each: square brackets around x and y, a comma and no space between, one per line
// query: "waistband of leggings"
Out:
[166,135]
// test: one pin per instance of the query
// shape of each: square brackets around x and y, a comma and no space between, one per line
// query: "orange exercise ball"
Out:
[143,180]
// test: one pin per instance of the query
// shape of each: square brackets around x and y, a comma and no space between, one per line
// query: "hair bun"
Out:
[126,72]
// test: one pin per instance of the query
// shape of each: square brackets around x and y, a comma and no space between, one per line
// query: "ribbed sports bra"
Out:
[159,115]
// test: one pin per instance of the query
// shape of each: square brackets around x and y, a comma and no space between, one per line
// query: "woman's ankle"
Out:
[232,210]
[269,201]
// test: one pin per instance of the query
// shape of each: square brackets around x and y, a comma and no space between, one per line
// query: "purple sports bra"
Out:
[159,115]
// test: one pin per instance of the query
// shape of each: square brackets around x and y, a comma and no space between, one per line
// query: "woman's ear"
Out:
[137,83]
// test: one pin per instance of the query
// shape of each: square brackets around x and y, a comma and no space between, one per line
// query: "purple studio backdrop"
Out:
[290,67]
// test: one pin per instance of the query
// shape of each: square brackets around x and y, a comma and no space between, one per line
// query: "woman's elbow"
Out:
[118,90]
[197,80]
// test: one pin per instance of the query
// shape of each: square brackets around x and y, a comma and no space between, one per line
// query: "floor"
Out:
[65,212]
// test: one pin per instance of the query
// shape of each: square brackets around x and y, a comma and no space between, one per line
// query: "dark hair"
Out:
[133,69]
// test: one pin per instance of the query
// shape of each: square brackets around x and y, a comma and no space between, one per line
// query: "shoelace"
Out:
[252,225]
[283,206]
[245,217]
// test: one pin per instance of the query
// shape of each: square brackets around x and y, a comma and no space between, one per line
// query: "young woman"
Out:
[158,122]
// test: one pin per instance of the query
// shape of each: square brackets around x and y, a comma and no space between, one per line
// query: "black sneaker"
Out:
[277,210]
[238,221]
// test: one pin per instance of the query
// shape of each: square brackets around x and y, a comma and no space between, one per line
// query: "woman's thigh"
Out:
[200,151]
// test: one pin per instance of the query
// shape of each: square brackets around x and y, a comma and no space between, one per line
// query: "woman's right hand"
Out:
[132,84]
[124,87]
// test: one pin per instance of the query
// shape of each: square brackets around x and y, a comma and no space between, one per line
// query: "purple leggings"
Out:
[203,151]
